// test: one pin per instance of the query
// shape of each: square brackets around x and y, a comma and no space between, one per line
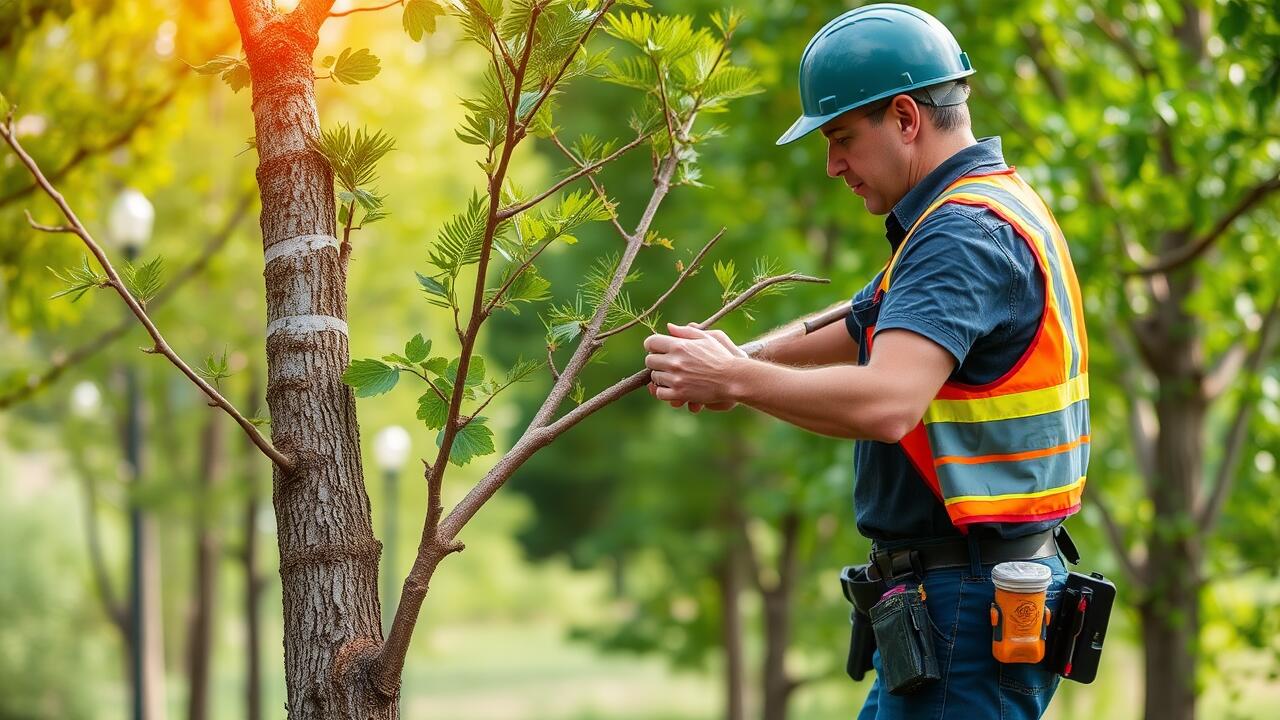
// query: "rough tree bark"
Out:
[328,554]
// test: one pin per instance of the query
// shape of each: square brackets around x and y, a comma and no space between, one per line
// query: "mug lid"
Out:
[1021,577]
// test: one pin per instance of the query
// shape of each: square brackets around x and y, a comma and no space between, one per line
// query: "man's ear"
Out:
[908,116]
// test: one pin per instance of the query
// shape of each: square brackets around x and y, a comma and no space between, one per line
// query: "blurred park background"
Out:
[650,563]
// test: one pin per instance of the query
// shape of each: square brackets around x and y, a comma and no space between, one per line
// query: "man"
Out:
[969,396]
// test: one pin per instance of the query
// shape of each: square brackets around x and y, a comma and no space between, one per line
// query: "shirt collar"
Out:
[985,155]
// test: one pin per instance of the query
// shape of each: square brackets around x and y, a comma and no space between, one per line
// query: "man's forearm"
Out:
[845,401]
[790,345]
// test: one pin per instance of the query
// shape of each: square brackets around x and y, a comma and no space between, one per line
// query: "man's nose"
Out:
[836,166]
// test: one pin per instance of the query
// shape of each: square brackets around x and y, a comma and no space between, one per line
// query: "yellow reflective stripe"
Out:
[1016,496]
[1015,405]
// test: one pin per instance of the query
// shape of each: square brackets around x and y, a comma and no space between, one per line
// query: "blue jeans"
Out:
[973,684]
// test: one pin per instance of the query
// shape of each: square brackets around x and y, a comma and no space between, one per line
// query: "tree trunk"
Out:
[729,580]
[1170,607]
[778,686]
[328,554]
[207,552]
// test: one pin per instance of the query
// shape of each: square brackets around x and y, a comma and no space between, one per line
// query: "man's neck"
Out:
[939,151]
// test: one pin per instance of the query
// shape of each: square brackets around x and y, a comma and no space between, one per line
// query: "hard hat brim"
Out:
[806,124]
[803,126]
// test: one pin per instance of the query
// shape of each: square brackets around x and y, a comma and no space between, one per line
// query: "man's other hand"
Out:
[689,367]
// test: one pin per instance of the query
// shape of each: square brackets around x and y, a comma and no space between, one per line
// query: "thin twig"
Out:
[512,211]
[595,184]
[551,85]
[1239,429]
[693,266]
[148,114]
[551,362]
[1135,569]
[60,361]
[1185,254]
[375,8]
[6,131]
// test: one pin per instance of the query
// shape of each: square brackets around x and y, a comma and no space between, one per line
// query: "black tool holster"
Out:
[862,591]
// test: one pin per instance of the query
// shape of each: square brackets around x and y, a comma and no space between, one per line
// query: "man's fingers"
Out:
[695,408]
[685,331]
[659,343]
[658,362]
[666,393]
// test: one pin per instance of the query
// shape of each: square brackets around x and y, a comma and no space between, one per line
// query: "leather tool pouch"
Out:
[904,635]
[862,591]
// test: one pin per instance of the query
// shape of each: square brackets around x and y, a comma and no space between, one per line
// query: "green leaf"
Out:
[726,274]
[522,370]
[327,61]
[356,67]
[417,349]
[216,66]
[528,286]
[473,440]
[475,371]
[78,280]
[238,77]
[461,238]
[434,288]
[396,358]
[432,410]
[370,377]
[420,17]
[354,159]
[214,370]
[437,365]
[144,281]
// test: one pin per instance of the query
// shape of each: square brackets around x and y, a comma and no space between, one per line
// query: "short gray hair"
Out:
[945,112]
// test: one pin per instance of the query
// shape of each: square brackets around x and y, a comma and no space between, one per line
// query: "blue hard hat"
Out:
[871,53]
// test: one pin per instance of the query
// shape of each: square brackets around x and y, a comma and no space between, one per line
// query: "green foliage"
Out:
[215,370]
[144,281]
[233,71]
[473,440]
[370,377]
[353,157]
[79,280]
[528,286]
[351,68]
[461,239]
[419,17]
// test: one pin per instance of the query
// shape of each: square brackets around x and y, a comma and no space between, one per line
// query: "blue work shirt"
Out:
[969,283]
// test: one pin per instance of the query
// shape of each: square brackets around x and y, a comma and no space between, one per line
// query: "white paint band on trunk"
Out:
[302,324]
[301,245]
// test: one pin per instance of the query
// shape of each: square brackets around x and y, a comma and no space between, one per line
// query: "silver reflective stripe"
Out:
[300,324]
[990,480]
[1011,435]
[301,245]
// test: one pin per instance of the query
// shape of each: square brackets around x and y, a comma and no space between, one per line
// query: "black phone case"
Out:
[1079,626]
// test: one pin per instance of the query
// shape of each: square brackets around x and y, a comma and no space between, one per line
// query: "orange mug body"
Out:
[1020,623]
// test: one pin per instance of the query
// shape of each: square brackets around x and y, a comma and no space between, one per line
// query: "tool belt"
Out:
[888,601]
[959,552]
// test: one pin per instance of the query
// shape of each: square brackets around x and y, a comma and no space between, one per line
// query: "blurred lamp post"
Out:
[390,449]
[129,224]
[86,400]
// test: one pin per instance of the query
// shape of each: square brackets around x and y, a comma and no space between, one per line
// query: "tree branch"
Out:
[595,184]
[60,360]
[1224,372]
[1135,569]
[1233,442]
[252,16]
[693,265]
[512,211]
[1141,414]
[311,14]
[1185,254]
[6,132]
[551,86]
[143,118]
[375,8]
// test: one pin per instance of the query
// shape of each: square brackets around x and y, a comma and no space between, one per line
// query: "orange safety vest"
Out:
[1014,449]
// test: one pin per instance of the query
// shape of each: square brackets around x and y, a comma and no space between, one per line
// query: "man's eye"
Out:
[842,141]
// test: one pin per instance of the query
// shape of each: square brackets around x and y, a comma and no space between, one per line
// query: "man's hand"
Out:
[691,366]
